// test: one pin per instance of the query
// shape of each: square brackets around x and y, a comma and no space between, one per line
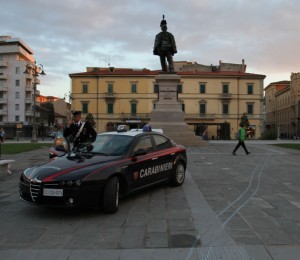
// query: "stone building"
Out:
[212,97]
[282,107]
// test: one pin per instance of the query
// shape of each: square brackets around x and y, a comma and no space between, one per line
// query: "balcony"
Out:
[200,116]
[138,116]
[28,100]
[3,112]
[3,75]
[28,87]
[3,63]
[225,96]
[3,100]
[109,96]
[28,76]
[3,88]
[28,113]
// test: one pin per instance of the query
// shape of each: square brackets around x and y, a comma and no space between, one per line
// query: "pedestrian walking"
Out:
[2,135]
[242,134]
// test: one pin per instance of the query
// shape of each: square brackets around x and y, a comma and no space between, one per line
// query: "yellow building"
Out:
[211,96]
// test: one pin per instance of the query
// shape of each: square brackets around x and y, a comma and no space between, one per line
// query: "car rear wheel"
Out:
[178,175]
[111,195]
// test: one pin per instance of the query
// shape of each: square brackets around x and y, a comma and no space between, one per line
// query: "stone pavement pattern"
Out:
[230,207]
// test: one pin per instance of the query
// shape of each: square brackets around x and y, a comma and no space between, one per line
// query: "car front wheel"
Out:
[178,175]
[111,195]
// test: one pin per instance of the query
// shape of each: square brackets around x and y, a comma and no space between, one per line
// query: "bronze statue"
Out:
[165,47]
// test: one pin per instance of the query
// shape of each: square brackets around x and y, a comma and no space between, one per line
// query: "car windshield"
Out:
[111,144]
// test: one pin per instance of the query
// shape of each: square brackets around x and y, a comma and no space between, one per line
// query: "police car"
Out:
[97,174]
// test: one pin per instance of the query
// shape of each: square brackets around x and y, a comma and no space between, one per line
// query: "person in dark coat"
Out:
[80,131]
[165,47]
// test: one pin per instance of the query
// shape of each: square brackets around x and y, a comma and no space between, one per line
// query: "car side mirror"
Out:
[140,151]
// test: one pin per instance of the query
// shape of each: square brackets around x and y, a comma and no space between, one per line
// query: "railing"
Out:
[3,63]
[28,100]
[225,95]
[109,95]
[3,75]
[29,113]
[200,116]
[28,87]
[124,116]
[3,88]
[3,111]
[3,100]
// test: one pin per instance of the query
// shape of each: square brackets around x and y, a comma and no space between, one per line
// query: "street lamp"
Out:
[35,71]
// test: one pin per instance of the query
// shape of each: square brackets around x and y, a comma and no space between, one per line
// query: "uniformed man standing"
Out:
[80,131]
[165,47]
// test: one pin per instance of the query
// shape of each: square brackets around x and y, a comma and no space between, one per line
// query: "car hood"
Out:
[66,168]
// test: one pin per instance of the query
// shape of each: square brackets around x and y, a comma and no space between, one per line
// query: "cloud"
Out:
[67,36]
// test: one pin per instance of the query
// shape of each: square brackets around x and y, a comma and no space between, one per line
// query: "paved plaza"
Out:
[230,207]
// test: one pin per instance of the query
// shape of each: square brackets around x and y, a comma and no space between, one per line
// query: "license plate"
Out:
[53,192]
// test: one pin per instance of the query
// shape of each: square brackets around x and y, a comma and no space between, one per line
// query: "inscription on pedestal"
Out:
[167,93]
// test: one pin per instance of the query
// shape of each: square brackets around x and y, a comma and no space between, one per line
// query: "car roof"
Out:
[158,130]
[126,133]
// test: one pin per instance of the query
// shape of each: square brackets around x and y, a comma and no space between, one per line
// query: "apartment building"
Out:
[282,107]
[214,96]
[16,88]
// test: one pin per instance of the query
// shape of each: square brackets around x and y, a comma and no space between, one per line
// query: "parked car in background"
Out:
[96,174]
[59,146]
[51,134]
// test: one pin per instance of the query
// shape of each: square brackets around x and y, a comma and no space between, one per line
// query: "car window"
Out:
[112,144]
[145,143]
[161,142]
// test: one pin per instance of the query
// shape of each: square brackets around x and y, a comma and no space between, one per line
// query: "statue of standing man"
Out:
[165,47]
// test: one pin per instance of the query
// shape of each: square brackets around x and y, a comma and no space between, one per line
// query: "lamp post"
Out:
[35,71]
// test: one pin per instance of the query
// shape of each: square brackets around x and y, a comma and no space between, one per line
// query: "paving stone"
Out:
[156,239]
[133,237]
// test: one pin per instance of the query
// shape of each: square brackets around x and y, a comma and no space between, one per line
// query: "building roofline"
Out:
[6,40]
[119,72]
[282,82]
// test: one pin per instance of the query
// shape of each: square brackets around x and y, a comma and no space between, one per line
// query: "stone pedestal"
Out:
[168,114]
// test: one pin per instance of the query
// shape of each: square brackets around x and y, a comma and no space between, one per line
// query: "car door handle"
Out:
[155,158]
[173,153]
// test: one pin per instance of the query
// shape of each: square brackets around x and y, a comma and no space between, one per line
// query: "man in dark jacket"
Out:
[165,47]
[80,131]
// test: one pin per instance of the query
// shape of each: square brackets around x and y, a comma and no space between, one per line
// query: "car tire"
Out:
[111,195]
[178,175]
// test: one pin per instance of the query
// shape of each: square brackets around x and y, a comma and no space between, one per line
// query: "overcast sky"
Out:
[69,35]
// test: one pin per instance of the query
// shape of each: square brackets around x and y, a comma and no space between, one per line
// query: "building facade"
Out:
[212,97]
[282,107]
[16,88]
[62,112]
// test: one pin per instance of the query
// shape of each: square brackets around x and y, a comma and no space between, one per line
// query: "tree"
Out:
[90,118]
[51,115]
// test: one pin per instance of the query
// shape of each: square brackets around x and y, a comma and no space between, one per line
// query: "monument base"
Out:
[168,114]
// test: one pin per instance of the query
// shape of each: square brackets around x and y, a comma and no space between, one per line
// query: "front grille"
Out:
[35,188]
